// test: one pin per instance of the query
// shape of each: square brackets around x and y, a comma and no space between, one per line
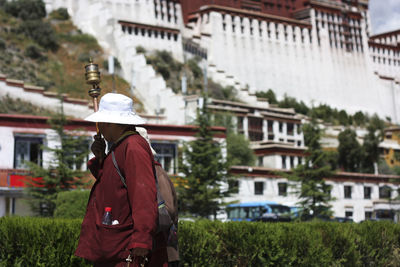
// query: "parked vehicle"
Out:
[265,211]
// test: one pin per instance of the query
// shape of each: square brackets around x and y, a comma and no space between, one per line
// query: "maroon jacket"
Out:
[100,242]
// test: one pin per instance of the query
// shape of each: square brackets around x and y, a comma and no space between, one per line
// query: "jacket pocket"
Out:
[113,241]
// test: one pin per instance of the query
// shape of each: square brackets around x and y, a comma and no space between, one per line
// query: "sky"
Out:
[385,15]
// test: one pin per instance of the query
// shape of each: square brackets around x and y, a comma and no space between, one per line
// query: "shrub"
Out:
[26,9]
[60,14]
[51,242]
[33,52]
[140,49]
[71,204]
[2,44]
[41,32]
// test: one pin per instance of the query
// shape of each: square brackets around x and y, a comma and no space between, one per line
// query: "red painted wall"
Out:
[274,7]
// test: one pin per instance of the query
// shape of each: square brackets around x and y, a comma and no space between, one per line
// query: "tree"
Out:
[204,170]
[238,146]
[63,171]
[371,144]
[350,153]
[239,151]
[313,192]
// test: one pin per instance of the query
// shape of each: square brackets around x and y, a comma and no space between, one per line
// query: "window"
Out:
[367,192]
[291,162]
[27,148]
[348,214]
[282,189]
[166,154]
[290,129]
[347,191]
[283,162]
[368,215]
[300,160]
[234,186]
[280,127]
[261,161]
[258,188]
[384,192]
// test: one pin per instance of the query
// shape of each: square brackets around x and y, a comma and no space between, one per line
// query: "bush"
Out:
[60,14]
[33,52]
[2,44]
[140,49]
[71,204]
[26,9]
[51,242]
[41,32]
[39,242]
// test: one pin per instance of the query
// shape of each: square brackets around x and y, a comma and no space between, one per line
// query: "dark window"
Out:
[291,162]
[260,161]
[283,162]
[240,125]
[166,155]
[280,127]
[367,192]
[290,129]
[258,188]
[282,189]
[255,126]
[348,214]
[27,149]
[384,192]
[234,186]
[347,191]
[368,215]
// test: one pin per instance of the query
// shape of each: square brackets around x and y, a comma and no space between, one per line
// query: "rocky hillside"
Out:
[48,50]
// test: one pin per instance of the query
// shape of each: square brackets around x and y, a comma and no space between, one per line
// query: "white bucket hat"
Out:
[116,108]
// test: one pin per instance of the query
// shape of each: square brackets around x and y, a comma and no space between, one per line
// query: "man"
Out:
[134,206]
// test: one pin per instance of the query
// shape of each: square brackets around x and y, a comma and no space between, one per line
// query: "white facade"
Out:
[290,60]
[358,205]
[319,58]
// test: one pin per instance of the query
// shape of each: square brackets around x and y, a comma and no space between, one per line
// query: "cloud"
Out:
[384,15]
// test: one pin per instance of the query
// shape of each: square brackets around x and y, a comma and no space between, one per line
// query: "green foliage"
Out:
[63,172]
[51,242]
[71,204]
[60,14]
[350,152]
[291,102]
[39,242]
[314,193]
[194,67]
[9,105]
[140,49]
[270,95]
[371,143]
[26,9]
[217,91]
[239,151]
[2,44]
[34,52]
[204,170]
[41,32]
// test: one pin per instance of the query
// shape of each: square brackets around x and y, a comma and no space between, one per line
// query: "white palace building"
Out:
[318,51]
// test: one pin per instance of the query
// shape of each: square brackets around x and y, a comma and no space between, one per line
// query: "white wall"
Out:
[357,204]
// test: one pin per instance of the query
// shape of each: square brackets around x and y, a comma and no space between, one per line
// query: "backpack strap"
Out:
[118,170]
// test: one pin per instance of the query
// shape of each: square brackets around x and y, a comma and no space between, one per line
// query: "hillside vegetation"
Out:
[48,50]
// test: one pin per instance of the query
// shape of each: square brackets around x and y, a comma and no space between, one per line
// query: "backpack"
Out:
[167,210]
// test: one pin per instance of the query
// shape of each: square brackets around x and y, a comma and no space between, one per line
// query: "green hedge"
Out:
[71,204]
[51,242]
